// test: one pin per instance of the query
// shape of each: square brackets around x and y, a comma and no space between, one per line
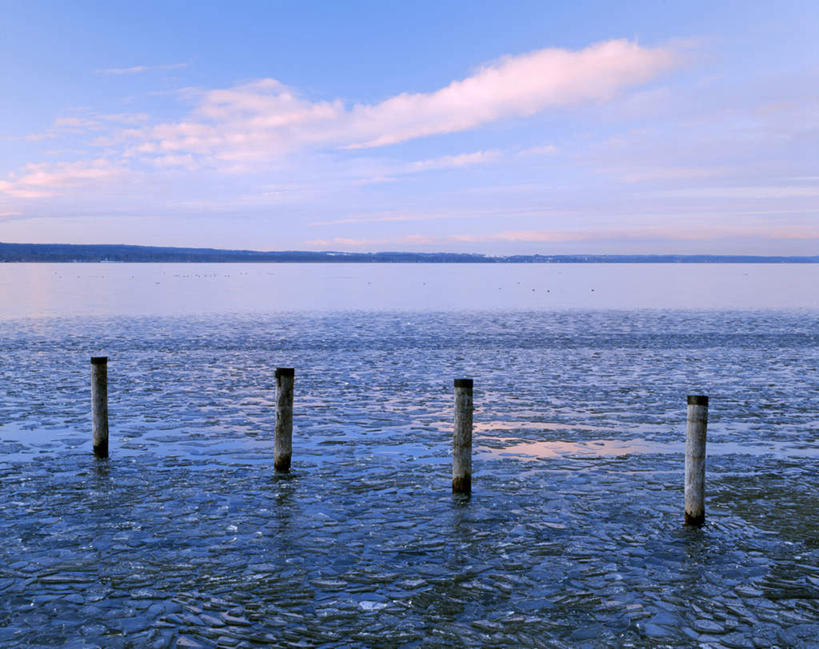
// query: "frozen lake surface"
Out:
[573,536]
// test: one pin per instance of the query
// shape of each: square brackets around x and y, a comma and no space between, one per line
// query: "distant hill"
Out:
[59,252]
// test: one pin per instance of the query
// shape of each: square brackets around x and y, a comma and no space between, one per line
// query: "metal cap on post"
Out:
[462,438]
[99,405]
[697,423]
[283,432]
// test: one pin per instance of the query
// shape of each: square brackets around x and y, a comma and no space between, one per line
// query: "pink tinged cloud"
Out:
[44,180]
[516,86]
[546,149]
[344,242]
[265,118]
[91,122]
[136,69]
[644,233]
[454,161]
[654,233]
[253,121]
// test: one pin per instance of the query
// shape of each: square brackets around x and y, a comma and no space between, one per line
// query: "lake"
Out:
[573,536]
[36,290]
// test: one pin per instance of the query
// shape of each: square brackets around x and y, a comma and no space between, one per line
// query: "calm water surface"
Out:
[573,534]
[182,289]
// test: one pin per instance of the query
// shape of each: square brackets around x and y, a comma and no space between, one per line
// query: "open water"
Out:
[573,536]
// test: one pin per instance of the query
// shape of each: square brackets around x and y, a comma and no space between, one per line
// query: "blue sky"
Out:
[596,127]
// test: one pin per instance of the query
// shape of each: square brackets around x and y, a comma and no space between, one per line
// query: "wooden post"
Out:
[462,438]
[283,441]
[99,404]
[695,460]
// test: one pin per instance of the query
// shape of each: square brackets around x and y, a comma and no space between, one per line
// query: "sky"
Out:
[492,127]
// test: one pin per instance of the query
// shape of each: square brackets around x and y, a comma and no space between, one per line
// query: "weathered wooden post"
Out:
[695,460]
[99,404]
[462,438]
[283,440]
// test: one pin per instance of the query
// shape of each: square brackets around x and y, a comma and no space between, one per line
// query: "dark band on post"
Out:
[696,521]
[463,383]
[285,371]
[99,360]
[697,400]
[101,450]
[462,484]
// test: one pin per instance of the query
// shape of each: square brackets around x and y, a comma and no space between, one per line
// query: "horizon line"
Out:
[96,252]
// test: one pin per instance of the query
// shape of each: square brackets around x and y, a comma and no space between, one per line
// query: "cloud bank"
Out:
[234,129]
[265,119]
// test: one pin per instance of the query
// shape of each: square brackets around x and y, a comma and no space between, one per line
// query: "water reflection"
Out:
[102,471]
[592,448]
[284,501]
[526,450]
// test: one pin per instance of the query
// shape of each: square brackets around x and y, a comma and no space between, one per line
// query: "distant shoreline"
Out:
[99,253]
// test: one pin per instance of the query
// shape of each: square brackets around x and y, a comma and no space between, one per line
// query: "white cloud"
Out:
[137,69]
[654,233]
[247,129]
[385,217]
[546,149]
[78,124]
[671,233]
[660,173]
[454,161]
[388,171]
[515,86]
[345,242]
[45,180]
[265,119]
[755,192]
